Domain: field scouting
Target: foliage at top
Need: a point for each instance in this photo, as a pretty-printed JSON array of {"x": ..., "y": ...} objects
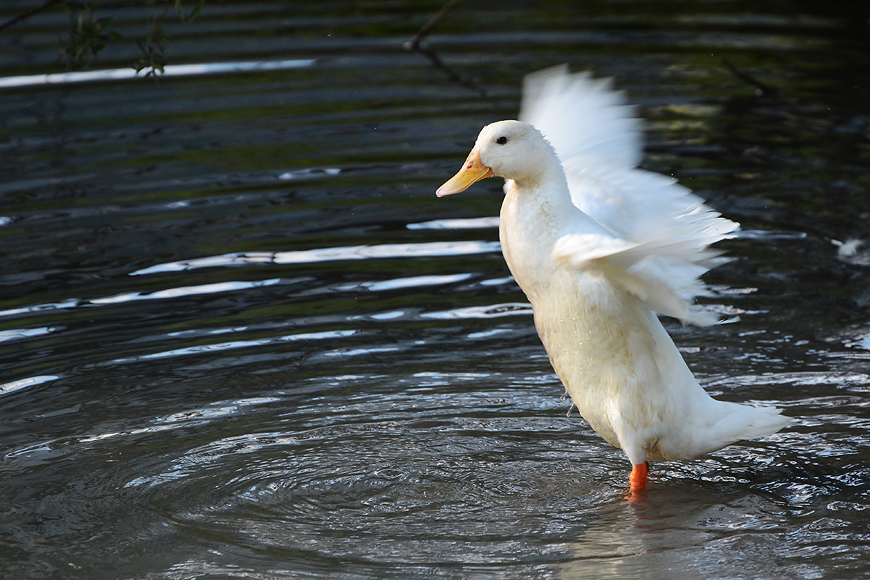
[{"x": 90, "y": 32}]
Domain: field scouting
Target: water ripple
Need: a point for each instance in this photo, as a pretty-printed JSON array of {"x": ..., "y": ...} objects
[
  {"x": 20, "y": 333},
  {"x": 184, "y": 291},
  {"x": 170, "y": 70},
  {"x": 169, "y": 293},
  {"x": 457, "y": 224},
  {"x": 234, "y": 344},
  {"x": 418, "y": 250},
  {"x": 413, "y": 282},
  {"x": 493, "y": 311},
  {"x": 7, "y": 388}
]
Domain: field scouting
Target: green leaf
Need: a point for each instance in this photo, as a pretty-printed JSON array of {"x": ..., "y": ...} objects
[{"x": 196, "y": 9}]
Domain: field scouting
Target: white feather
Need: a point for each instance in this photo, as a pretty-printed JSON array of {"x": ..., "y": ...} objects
[
  {"x": 592, "y": 120},
  {"x": 599, "y": 145}
]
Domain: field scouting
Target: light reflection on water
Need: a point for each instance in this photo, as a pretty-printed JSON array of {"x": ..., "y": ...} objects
[
  {"x": 236, "y": 344},
  {"x": 426, "y": 249},
  {"x": 184, "y": 291},
  {"x": 8, "y": 388},
  {"x": 241, "y": 337},
  {"x": 171, "y": 70}
]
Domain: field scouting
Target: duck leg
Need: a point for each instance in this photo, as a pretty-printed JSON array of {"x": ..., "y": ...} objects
[{"x": 638, "y": 478}]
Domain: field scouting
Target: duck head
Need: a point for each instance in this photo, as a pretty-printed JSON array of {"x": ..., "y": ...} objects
[{"x": 509, "y": 149}]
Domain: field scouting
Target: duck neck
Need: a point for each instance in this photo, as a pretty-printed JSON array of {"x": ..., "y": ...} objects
[
  {"x": 546, "y": 193},
  {"x": 536, "y": 212}
]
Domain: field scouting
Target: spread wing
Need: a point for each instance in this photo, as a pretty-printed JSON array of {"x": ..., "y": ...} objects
[
  {"x": 582, "y": 117},
  {"x": 660, "y": 231}
]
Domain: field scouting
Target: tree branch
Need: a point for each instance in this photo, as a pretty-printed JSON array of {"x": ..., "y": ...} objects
[
  {"x": 427, "y": 29},
  {"x": 48, "y": 4},
  {"x": 766, "y": 90}
]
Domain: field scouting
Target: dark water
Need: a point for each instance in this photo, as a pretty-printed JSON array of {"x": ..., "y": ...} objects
[{"x": 241, "y": 338}]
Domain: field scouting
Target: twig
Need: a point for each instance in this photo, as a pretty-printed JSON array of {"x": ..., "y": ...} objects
[
  {"x": 766, "y": 90},
  {"x": 451, "y": 74},
  {"x": 48, "y": 4},
  {"x": 415, "y": 44},
  {"x": 427, "y": 29}
]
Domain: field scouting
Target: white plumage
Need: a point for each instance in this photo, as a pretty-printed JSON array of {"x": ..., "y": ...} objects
[{"x": 599, "y": 247}]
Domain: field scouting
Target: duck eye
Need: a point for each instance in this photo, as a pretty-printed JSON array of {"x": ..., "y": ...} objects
[{"x": 501, "y": 140}]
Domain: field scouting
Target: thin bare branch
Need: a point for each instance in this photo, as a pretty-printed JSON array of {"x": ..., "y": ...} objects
[
  {"x": 451, "y": 74},
  {"x": 766, "y": 90},
  {"x": 45, "y": 6},
  {"x": 427, "y": 29}
]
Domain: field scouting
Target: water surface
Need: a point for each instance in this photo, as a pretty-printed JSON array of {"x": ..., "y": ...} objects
[{"x": 241, "y": 338}]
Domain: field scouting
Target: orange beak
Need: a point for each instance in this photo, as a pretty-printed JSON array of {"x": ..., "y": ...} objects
[{"x": 473, "y": 171}]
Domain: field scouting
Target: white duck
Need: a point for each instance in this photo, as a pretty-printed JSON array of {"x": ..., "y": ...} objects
[{"x": 599, "y": 247}]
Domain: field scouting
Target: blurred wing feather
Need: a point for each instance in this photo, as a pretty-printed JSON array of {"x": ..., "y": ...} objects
[
  {"x": 661, "y": 232},
  {"x": 582, "y": 116},
  {"x": 654, "y": 273}
]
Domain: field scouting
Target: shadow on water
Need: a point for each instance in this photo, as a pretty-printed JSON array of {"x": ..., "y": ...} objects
[{"x": 240, "y": 337}]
